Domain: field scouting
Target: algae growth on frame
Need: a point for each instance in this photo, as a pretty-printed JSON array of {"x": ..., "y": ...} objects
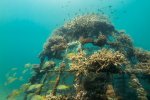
[{"x": 88, "y": 59}]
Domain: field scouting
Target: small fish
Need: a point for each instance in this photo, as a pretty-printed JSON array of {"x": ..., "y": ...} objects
[
  {"x": 20, "y": 78},
  {"x": 10, "y": 80},
  {"x": 68, "y": 1},
  {"x": 32, "y": 73},
  {"x": 28, "y": 65},
  {"x": 14, "y": 69},
  {"x": 110, "y": 6},
  {"x": 52, "y": 81},
  {"x": 76, "y": 13},
  {"x": 34, "y": 87},
  {"x": 63, "y": 87},
  {"x": 38, "y": 97},
  {"x": 98, "y": 9},
  {"x": 24, "y": 87},
  {"x": 49, "y": 91},
  {"x": 14, "y": 74},
  {"x": 24, "y": 71},
  {"x": 13, "y": 95}
]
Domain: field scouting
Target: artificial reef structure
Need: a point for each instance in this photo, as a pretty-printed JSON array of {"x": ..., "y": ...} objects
[{"x": 88, "y": 59}]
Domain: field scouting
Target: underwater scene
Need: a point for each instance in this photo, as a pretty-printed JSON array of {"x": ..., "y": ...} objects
[{"x": 74, "y": 50}]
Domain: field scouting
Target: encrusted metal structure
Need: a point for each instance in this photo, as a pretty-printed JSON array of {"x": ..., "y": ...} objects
[{"x": 88, "y": 59}]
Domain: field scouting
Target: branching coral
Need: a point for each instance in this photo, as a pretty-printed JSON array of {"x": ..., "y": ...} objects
[
  {"x": 85, "y": 20},
  {"x": 142, "y": 55},
  {"x": 79, "y": 63},
  {"x": 90, "y": 53},
  {"x": 103, "y": 60},
  {"x": 140, "y": 68},
  {"x": 121, "y": 42},
  {"x": 124, "y": 39},
  {"x": 87, "y": 26},
  {"x": 107, "y": 60},
  {"x": 53, "y": 47},
  {"x": 55, "y": 43}
]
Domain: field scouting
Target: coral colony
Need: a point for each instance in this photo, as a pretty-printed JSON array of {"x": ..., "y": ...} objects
[{"x": 88, "y": 59}]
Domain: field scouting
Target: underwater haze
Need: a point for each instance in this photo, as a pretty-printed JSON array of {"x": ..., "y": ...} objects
[{"x": 25, "y": 26}]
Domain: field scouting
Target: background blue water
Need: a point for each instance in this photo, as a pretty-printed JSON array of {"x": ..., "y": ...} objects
[{"x": 26, "y": 24}]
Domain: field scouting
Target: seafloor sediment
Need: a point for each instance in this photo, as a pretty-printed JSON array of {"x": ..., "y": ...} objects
[{"x": 88, "y": 59}]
